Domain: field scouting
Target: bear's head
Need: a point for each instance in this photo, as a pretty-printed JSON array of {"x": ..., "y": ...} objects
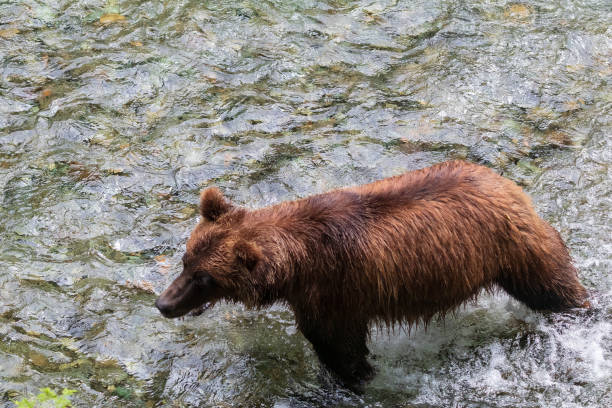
[{"x": 219, "y": 260}]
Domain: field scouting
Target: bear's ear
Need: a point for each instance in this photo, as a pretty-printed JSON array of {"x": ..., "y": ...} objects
[
  {"x": 213, "y": 205},
  {"x": 248, "y": 253}
]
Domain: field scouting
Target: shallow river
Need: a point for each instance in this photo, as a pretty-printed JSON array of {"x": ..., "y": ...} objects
[{"x": 114, "y": 115}]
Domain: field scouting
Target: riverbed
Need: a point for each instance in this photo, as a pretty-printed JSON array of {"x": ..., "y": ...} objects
[{"x": 115, "y": 114}]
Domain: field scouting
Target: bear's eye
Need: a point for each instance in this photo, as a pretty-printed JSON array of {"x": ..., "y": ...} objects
[{"x": 203, "y": 280}]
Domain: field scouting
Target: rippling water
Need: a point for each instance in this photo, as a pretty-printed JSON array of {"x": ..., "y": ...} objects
[{"x": 113, "y": 115}]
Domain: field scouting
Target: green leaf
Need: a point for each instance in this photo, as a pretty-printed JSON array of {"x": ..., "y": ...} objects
[
  {"x": 62, "y": 402},
  {"x": 24, "y": 403},
  {"x": 46, "y": 394},
  {"x": 122, "y": 392}
]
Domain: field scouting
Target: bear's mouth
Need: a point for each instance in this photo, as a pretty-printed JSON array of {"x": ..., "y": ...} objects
[
  {"x": 197, "y": 311},
  {"x": 180, "y": 313}
]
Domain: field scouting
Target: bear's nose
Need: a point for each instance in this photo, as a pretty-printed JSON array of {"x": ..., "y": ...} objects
[{"x": 163, "y": 306}]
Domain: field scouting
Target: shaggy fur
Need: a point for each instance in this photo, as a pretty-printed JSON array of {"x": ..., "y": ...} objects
[{"x": 402, "y": 249}]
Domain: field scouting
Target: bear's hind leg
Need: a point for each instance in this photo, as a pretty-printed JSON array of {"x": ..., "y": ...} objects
[
  {"x": 547, "y": 280},
  {"x": 563, "y": 291}
]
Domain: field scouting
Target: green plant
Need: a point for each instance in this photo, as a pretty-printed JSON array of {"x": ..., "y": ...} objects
[{"x": 47, "y": 399}]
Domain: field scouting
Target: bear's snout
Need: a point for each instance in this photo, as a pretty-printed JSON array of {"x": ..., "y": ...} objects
[
  {"x": 164, "y": 307},
  {"x": 171, "y": 302},
  {"x": 184, "y": 295}
]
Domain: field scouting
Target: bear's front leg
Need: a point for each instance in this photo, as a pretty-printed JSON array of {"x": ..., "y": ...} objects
[{"x": 343, "y": 350}]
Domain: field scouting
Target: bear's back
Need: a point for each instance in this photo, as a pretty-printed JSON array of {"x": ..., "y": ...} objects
[{"x": 426, "y": 240}]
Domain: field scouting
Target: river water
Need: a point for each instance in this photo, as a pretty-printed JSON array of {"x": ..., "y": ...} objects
[{"x": 115, "y": 114}]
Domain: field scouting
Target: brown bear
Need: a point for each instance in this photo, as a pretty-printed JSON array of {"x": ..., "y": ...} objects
[{"x": 399, "y": 250}]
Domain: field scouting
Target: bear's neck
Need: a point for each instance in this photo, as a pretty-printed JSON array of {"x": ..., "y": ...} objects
[{"x": 301, "y": 239}]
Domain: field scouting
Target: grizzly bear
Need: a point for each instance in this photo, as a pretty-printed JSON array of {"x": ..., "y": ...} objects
[{"x": 399, "y": 250}]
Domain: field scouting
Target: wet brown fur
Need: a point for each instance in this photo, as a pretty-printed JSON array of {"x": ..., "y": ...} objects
[{"x": 402, "y": 249}]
